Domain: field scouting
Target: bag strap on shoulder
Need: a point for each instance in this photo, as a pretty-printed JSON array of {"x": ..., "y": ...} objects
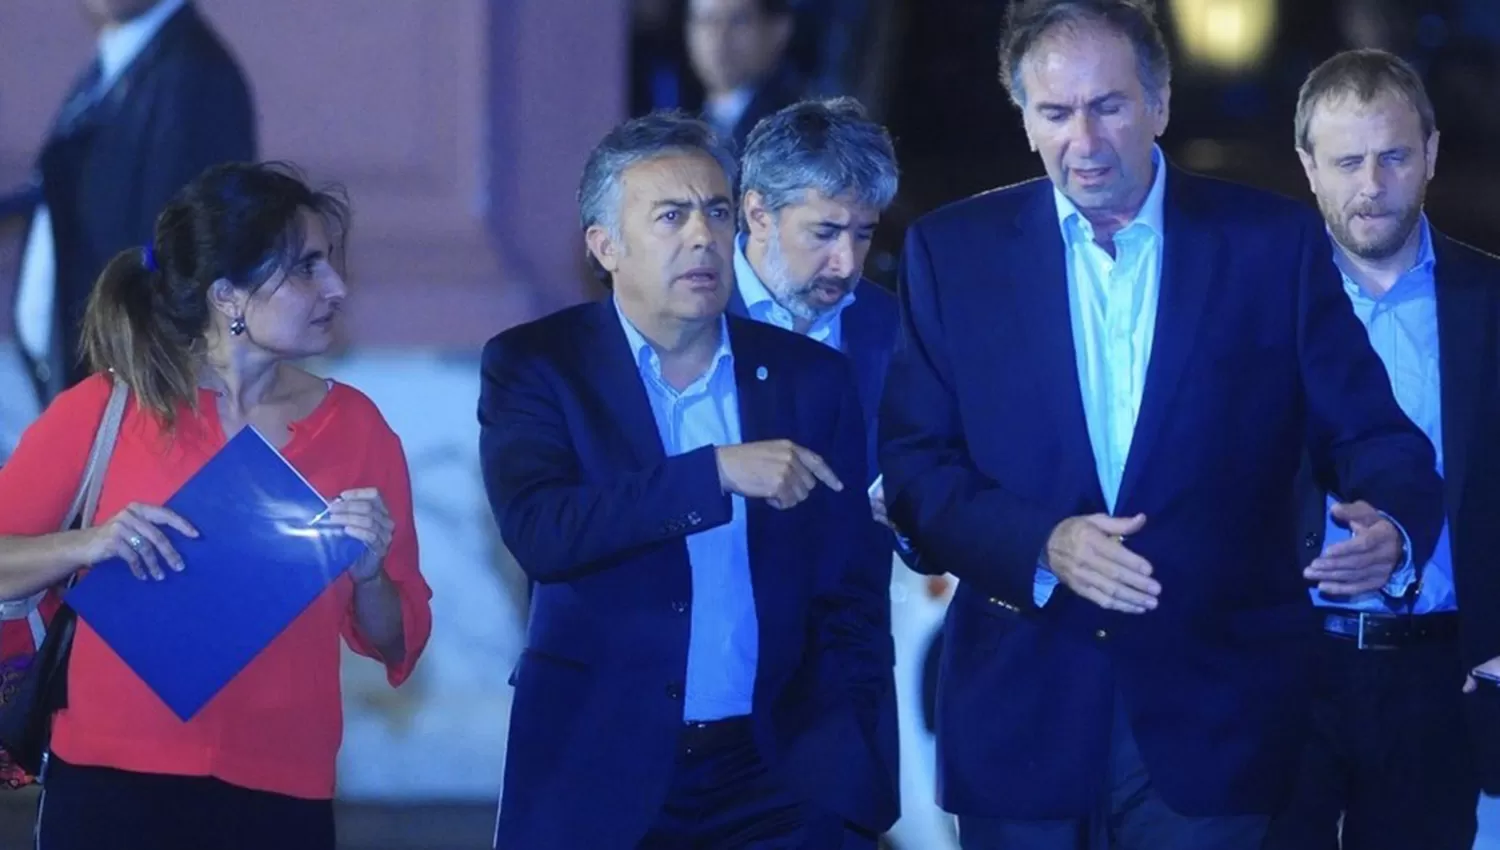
[{"x": 86, "y": 500}]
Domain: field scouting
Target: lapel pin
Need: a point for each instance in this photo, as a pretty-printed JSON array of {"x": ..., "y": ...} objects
[{"x": 761, "y": 373}]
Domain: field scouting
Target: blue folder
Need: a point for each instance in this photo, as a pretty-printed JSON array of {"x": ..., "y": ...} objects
[{"x": 265, "y": 551}]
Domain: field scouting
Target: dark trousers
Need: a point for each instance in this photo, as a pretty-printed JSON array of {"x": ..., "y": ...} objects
[
  {"x": 1390, "y": 752},
  {"x": 724, "y": 795},
  {"x": 1136, "y": 818},
  {"x": 97, "y": 808}
]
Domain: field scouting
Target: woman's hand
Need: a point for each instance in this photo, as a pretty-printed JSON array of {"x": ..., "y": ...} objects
[
  {"x": 363, "y": 516},
  {"x": 133, "y": 536}
]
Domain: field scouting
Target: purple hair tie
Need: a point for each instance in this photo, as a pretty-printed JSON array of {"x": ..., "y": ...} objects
[{"x": 148, "y": 258}]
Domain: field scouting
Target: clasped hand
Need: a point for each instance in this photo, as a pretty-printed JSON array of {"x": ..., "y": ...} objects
[
  {"x": 1365, "y": 561},
  {"x": 1088, "y": 554}
]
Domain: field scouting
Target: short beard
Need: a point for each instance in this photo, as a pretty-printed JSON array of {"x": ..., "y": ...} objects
[
  {"x": 1380, "y": 250},
  {"x": 790, "y": 296}
]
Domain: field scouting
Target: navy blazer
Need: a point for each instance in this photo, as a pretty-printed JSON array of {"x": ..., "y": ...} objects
[
  {"x": 985, "y": 450},
  {"x": 1468, "y": 317},
  {"x": 596, "y": 514}
]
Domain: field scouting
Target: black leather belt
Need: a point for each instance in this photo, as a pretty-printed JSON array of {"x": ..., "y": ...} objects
[
  {"x": 1390, "y": 631},
  {"x": 708, "y": 736}
]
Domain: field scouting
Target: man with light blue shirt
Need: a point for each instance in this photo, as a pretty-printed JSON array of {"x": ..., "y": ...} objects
[
  {"x": 816, "y": 177},
  {"x": 708, "y": 648},
  {"x": 1395, "y": 759},
  {"x": 1094, "y": 418}
]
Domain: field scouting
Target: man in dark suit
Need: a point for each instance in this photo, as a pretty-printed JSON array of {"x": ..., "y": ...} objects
[
  {"x": 738, "y": 52},
  {"x": 708, "y": 645},
  {"x": 815, "y": 178},
  {"x": 1391, "y": 752},
  {"x": 162, "y": 101},
  {"x": 1123, "y": 661}
]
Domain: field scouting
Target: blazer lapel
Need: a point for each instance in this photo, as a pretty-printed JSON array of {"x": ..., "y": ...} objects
[
  {"x": 736, "y": 306},
  {"x": 1043, "y": 317},
  {"x": 616, "y": 376},
  {"x": 1463, "y": 315},
  {"x": 1190, "y": 253},
  {"x": 759, "y": 387}
]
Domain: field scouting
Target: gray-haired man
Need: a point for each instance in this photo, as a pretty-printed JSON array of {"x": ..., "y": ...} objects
[
  {"x": 708, "y": 648},
  {"x": 816, "y": 177}
]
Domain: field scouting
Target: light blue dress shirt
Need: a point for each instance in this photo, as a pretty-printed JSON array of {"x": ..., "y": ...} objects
[
  {"x": 1112, "y": 304},
  {"x": 827, "y": 328},
  {"x": 724, "y": 638},
  {"x": 1403, "y": 329}
]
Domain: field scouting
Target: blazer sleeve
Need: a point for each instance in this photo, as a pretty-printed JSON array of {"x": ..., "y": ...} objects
[
  {"x": 1357, "y": 429},
  {"x": 960, "y": 520},
  {"x": 558, "y": 523}
]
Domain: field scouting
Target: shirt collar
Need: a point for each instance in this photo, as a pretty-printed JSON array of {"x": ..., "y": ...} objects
[
  {"x": 646, "y": 359},
  {"x": 120, "y": 46},
  {"x": 757, "y": 296},
  {"x": 1150, "y": 214}
]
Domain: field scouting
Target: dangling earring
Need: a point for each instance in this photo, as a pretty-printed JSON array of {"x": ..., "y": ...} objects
[{"x": 237, "y": 326}]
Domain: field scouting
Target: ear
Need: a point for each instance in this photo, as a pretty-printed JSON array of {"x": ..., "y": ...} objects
[
  {"x": 759, "y": 220},
  {"x": 1161, "y": 111},
  {"x": 603, "y": 247},
  {"x": 226, "y": 300},
  {"x": 1309, "y": 168},
  {"x": 1431, "y": 150}
]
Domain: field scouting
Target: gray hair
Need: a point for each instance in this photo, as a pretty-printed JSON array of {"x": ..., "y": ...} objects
[
  {"x": 639, "y": 140},
  {"x": 830, "y": 146},
  {"x": 1364, "y": 74},
  {"x": 1028, "y": 21}
]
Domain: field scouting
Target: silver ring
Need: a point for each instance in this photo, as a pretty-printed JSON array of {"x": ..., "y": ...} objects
[{"x": 135, "y": 542}]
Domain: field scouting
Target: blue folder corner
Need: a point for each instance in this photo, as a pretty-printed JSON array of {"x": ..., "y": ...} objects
[{"x": 263, "y": 554}]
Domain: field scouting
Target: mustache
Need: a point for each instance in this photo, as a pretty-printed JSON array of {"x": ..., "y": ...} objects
[{"x": 842, "y": 284}]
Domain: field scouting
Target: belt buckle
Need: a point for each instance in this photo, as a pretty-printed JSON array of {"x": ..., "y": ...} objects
[{"x": 1360, "y": 634}]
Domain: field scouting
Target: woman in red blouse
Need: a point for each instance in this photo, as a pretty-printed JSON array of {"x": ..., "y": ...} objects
[{"x": 204, "y": 326}]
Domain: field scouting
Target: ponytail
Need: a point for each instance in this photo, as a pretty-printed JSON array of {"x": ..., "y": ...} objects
[{"x": 123, "y": 332}]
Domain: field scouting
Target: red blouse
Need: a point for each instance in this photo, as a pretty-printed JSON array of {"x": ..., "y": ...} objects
[{"x": 276, "y": 726}]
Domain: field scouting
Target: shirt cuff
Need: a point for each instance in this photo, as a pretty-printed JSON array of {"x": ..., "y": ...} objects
[
  {"x": 1405, "y": 574},
  {"x": 1043, "y": 585}
]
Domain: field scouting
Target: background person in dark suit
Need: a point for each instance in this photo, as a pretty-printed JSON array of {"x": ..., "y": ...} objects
[
  {"x": 815, "y": 178},
  {"x": 1124, "y": 658},
  {"x": 162, "y": 101},
  {"x": 709, "y": 638},
  {"x": 1391, "y": 752},
  {"x": 738, "y": 52}
]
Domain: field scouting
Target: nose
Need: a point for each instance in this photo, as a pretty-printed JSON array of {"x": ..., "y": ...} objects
[
  {"x": 841, "y": 258},
  {"x": 700, "y": 233},
  {"x": 1372, "y": 178},
  {"x": 1083, "y": 134},
  {"x": 334, "y": 287}
]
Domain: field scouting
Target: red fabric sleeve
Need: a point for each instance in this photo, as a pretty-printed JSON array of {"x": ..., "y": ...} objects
[{"x": 386, "y": 465}]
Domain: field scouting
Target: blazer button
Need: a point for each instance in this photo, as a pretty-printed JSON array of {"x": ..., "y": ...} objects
[
  {"x": 1102, "y": 634},
  {"x": 1311, "y": 540},
  {"x": 679, "y": 606},
  {"x": 674, "y": 691}
]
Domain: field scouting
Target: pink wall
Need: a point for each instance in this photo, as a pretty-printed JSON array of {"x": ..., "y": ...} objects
[{"x": 459, "y": 128}]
